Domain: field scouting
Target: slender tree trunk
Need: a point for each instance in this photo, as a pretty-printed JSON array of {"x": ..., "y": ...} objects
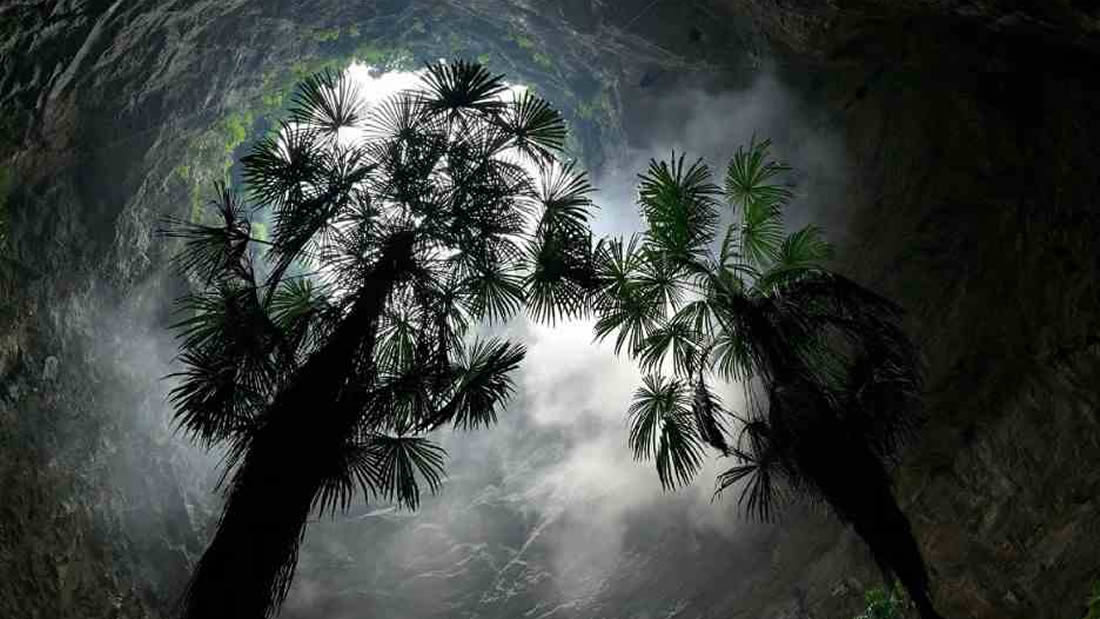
[{"x": 247, "y": 568}]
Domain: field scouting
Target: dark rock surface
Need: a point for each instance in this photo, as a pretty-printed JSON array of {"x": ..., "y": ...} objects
[{"x": 971, "y": 133}]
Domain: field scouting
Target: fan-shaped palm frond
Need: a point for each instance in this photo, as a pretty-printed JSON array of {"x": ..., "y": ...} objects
[
  {"x": 537, "y": 128},
  {"x": 560, "y": 274},
  {"x": 398, "y": 463},
  {"x": 496, "y": 290},
  {"x": 328, "y": 101},
  {"x": 482, "y": 385},
  {"x": 283, "y": 166},
  {"x": 679, "y": 205},
  {"x": 675, "y": 337},
  {"x": 215, "y": 251},
  {"x": 749, "y": 174},
  {"x": 830, "y": 378},
  {"x": 383, "y": 254},
  {"x": 458, "y": 86},
  {"x": 661, "y": 428},
  {"x": 707, "y": 411}
]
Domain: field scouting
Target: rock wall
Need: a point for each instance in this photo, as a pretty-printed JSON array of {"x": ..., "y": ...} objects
[{"x": 973, "y": 201}]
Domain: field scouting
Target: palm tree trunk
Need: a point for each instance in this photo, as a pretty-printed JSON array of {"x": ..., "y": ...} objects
[
  {"x": 246, "y": 570},
  {"x": 858, "y": 487}
]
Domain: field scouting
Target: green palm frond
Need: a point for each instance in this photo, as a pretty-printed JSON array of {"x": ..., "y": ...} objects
[
  {"x": 231, "y": 353},
  {"x": 632, "y": 316},
  {"x": 560, "y": 273},
  {"x": 661, "y": 428},
  {"x": 749, "y": 176},
  {"x": 616, "y": 265},
  {"x": 699, "y": 316},
  {"x": 496, "y": 290},
  {"x": 761, "y": 234},
  {"x": 800, "y": 253},
  {"x": 215, "y": 251},
  {"x": 806, "y": 247},
  {"x": 283, "y": 166},
  {"x": 759, "y": 496},
  {"x": 353, "y": 467},
  {"x": 663, "y": 279},
  {"x": 679, "y": 205},
  {"x": 675, "y": 337},
  {"x": 537, "y": 128},
  {"x": 405, "y": 117},
  {"x": 397, "y": 464},
  {"x": 749, "y": 186},
  {"x": 564, "y": 195},
  {"x": 328, "y": 101},
  {"x": 460, "y": 86},
  {"x": 210, "y": 404},
  {"x": 761, "y": 469},
  {"x": 482, "y": 384},
  {"x": 299, "y": 308},
  {"x": 706, "y": 408}
]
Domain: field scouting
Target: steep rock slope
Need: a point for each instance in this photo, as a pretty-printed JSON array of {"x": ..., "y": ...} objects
[{"x": 970, "y": 128}]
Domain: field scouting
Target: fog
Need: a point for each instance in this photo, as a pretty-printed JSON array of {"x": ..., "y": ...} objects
[
  {"x": 547, "y": 514},
  {"x": 544, "y": 515}
]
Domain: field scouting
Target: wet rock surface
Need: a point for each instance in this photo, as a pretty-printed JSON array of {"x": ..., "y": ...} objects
[{"x": 972, "y": 200}]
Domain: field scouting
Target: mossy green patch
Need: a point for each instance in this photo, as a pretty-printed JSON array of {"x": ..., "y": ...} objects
[
  {"x": 326, "y": 35},
  {"x": 1094, "y": 602}
]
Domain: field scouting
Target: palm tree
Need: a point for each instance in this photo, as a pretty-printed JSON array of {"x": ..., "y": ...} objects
[
  {"x": 830, "y": 382},
  {"x": 323, "y": 357}
]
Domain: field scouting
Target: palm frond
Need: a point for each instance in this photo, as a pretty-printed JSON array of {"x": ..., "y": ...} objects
[
  {"x": 661, "y": 429},
  {"x": 632, "y": 316},
  {"x": 459, "y": 86},
  {"x": 706, "y": 408},
  {"x": 283, "y": 166},
  {"x": 496, "y": 290},
  {"x": 748, "y": 178},
  {"x": 679, "y": 205},
  {"x": 675, "y": 337},
  {"x": 397, "y": 465},
  {"x": 328, "y": 101},
  {"x": 482, "y": 384},
  {"x": 538, "y": 130},
  {"x": 215, "y": 252},
  {"x": 560, "y": 273}
]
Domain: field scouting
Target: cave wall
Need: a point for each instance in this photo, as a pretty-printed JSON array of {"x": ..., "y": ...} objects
[{"x": 971, "y": 132}]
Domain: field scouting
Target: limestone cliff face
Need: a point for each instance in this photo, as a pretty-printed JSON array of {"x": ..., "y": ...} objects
[{"x": 973, "y": 201}]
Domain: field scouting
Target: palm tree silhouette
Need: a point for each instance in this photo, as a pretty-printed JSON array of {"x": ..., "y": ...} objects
[
  {"x": 830, "y": 381},
  {"x": 322, "y": 358}
]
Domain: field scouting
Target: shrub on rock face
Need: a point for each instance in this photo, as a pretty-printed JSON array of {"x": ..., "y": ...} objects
[
  {"x": 323, "y": 355},
  {"x": 883, "y": 603},
  {"x": 1094, "y": 602}
]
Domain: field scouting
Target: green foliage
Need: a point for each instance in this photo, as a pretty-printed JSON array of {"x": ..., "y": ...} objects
[
  {"x": 326, "y": 35},
  {"x": 1094, "y": 602},
  {"x": 408, "y": 239},
  {"x": 599, "y": 106},
  {"x": 883, "y": 603},
  {"x": 716, "y": 290}
]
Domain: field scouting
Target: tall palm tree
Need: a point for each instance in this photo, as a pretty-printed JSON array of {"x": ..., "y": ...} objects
[
  {"x": 716, "y": 292},
  {"x": 323, "y": 357}
]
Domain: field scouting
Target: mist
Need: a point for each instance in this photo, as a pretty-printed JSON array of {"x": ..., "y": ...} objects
[{"x": 546, "y": 514}]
